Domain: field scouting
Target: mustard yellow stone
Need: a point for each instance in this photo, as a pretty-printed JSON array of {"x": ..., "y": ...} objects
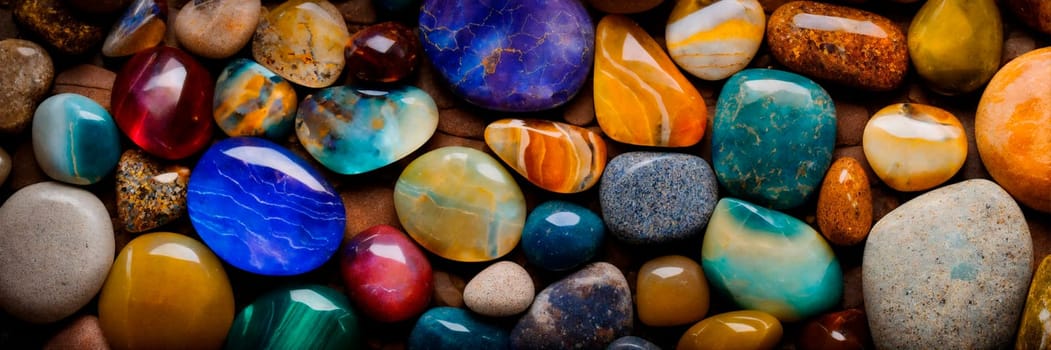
[
  {"x": 1035, "y": 329},
  {"x": 914, "y": 147},
  {"x": 738, "y": 330},
  {"x": 671, "y": 291},
  {"x": 715, "y": 39},
  {"x": 166, "y": 291},
  {"x": 955, "y": 45}
]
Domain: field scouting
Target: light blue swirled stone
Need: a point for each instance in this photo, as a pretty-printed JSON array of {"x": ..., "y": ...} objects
[
  {"x": 263, "y": 209},
  {"x": 74, "y": 139}
]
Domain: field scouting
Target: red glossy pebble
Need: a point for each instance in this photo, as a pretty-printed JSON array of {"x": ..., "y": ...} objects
[
  {"x": 382, "y": 53},
  {"x": 386, "y": 275},
  {"x": 162, "y": 100}
]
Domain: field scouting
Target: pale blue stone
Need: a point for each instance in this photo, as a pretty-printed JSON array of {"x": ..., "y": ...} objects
[{"x": 74, "y": 139}]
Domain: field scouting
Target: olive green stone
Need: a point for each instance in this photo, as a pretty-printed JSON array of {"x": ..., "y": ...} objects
[
  {"x": 301, "y": 317},
  {"x": 955, "y": 45}
]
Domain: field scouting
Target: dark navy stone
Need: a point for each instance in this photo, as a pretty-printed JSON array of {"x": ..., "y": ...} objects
[
  {"x": 451, "y": 328},
  {"x": 560, "y": 235},
  {"x": 263, "y": 209},
  {"x": 510, "y": 55},
  {"x": 772, "y": 137},
  {"x": 632, "y": 343},
  {"x": 586, "y": 310},
  {"x": 650, "y": 197}
]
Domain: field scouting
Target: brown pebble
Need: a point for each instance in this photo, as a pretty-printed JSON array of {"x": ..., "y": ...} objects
[
  {"x": 858, "y": 153},
  {"x": 850, "y": 123},
  {"x": 1035, "y": 13},
  {"x": 462, "y": 123},
  {"x": 217, "y": 29},
  {"x": 8, "y": 29},
  {"x": 358, "y": 12},
  {"x": 92, "y": 81},
  {"x": 82, "y": 334},
  {"x": 5, "y": 165},
  {"x": 448, "y": 289},
  {"x": 58, "y": 25},
  {"x": 26, "y": 73},
  {"x": 844, "y": 204},
  {"x": 25, "y": 170},
  {"x": 581, "y": 110},
  {"x": 368, "y": 206}
]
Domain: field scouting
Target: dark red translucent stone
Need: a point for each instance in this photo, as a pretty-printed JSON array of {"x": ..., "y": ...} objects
[
  {"x": 386, "y": 274},
  {"x": 843, "y": 330},
  {"x": 382, "y": 53}
]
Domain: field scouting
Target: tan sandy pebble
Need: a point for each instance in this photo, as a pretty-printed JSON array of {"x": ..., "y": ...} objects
[
  {"x": 502, "y": 289},
  {"x": 94, "y": 82},
  {"x": 217, "y": 28},
  {"x": 84, "y": 334},
  {"x": 448, "y": 289}
]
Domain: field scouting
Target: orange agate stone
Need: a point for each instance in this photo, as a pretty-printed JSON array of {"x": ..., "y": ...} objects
[{"x": 557, "y": 157}]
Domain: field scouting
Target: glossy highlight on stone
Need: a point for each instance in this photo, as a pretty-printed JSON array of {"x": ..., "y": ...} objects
[
  {"x": 560, "y": 235},
  {"x": 509, "y": 55},
  {"x": 671, "y": 291},
  {"x": 555, "y": 156},
  {"x": 955, "y": 45},
  {"x": 74, "y": 139},
  {"x": 715, "y": 39},
  {"x": 263, "y": 209},
  {"x": 768, "y": 261},
  {"x": 914, "y": 147},
  {"x": 353, "y": 130},
  {"x": 737, "y": 330},
  {"x": 302, "y": 41},
  {"x": 296, "y": 317},
  {"x": 141, "y": 27},
  {"x": 460, "y": 204},
  {"x": 166, "y": 290},
  {"x": 842, "y": 330},
  {"x": 250, "y": 100},
  {"x": 383, "y": 53},
  {"x": 387, "y": 277},
  {"x": 162, "y": 100},
  {"x": 844, "y": 204},
  {"x": 641, "y": 98},
  {"x": 1034, "y": 331},
  {"x": 150, "y": 193},
  {"x": 452, "y": 328}
]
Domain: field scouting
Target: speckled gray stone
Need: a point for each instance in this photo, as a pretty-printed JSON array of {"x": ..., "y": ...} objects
[
  {"x": 5, "y": 165},
  {"x": 26, "y": 73},
  {"x": 56, "y": 248},
  {"x": 948, "y": 270},
  {"x": 217, "y": 28},
  {"x": 502, "y": 289},
  {"x": 650, "y": 197},
  {"x": 632, "y": 343}
]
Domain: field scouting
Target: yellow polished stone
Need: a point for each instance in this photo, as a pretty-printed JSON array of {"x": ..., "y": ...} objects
[
  {"x": 671, "y": 291},
  {"x": 715, "y": 39},
  {"x": 914, "y": 147},
  {"x": 955, "y": 45},
  {"x": 303, "y": 41},
  {"x": 166, "y": 291},
  {"x": 1035, "y": 329},
  {"x": 738, "y": 330}
]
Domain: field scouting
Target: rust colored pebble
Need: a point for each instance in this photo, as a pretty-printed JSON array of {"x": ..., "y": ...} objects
[{"x": 844, "y": 205}]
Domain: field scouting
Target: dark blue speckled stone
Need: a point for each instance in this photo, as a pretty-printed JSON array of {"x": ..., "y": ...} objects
[
  {"x": 632, "y": 343},
  {"x": 586, "y": 310},
  {"x": 443, "y": 328},
  {"x": 772, "y": 137},
  {"x": 510, "y": 55},
  {"x": 559, "y": 235},
  {"x": 650, "y": 197}
]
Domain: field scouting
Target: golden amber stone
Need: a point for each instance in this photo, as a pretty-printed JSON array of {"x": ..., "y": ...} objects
[
  {"x": 557, "y": 157},
  {"x": 671, "y": 291},
  {"x": 166, "y": 291},
  {"x": 738, "y": 330},
  {"x": 715, "y": 39},
  {"x": 1035, "y": 329},
  {"x": 641, "y": 98},
  {"x": 955, "y": 45},
  {"x": 302, "y": 41},
  {"x": 914, "y": 147},
  {"x": 844, "y": 205}
]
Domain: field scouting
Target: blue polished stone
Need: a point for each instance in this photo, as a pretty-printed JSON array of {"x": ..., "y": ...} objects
[
  {"x": 559, "y": 235},
  {"x": 263, "y": 209},
  {"x": 451, "y": 328},
  {"x": 773, "y": 136},
  {"x": 74, "y": 139},
  {"x": 510, "y": 55}
]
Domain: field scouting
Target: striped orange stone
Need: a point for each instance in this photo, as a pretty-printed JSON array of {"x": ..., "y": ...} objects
[{"x": 555, "y": 156}]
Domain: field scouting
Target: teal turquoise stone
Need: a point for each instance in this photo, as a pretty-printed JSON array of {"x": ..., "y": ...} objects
[
  {"x": 768, "y": 261},
  {"x": 74, "y": 139},
  {"x": 354, "y": 130},
  {"x": 302, "y": 317},
  {"x": 451, "y": 328},
  {"x": 251, "y": 100},
  {"x": 560, "y": 235},
  {"x": 772, "y": 137}
]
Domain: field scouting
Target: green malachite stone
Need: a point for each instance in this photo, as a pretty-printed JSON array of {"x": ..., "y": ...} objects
[{"x": 302, "y": 317}]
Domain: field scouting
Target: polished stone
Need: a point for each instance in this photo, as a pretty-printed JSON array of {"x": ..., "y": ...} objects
[
  {"x": 217, "y": 28},
  {"x": 166, "y": 290},
  {"x": 460, "y": 204},
  {"x": 387, "y": 277},
  {"x": 352, "y": 130},
  {"x": 737, "y": 330},
  {"x": 74, "y": 139},
  {"x": 451, "y": 328},
  {"x": 671, "y": 290},
  {"x": 1034, "y": 331},
  {"x": 632, "y": 343},
  {"x": 914, "y": 147},
  {"x": 842, "y": 330},
  {"x": 772, "y": 137},
  {"x": 1035, "y": 13},
  {"x": 263, "y": 209},
  {"x": 141, "y": 27},
  {"x": 555, "y": 156},
  {"x": 383, "y": 53},
  {"x": 516, "y": 56},
  {"x": 955, "y": 45},
  {"x": 302, "y": 41},
  {"x": 58, "y": 25},
  {"x": 560, "y": 236},
  {"x": 297, "y": 317},
  {"x": 844, "y": 204},
  {"x": 502, "y": 289},
  {"x": 150, "y": 193},
  {"x": 26, "y": 72},
  {"x": 641, "y": 98},
  {"x": 250, "y": 100},
  {"x": 715, "y": 39}
]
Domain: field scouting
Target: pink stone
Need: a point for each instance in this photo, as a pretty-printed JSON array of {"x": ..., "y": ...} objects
[{"x": 386, "y": 275}]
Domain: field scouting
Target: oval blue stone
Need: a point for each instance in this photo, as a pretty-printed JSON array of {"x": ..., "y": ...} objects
[
  {"x": 452, "y": 328},
  {"x": 263, "y": 209},
  {"x": 559, "y": 235},
  {"x": 510, "y": 55},
  {"x": 74, "y": 139}
]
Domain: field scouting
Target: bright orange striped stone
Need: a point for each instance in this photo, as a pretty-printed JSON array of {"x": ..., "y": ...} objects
[
  {"x": 557, "y": 157},
  {"x": 641, "y": 98}
]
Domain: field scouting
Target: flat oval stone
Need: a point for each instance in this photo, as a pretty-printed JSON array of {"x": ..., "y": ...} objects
[
  {"x": 26, "y": 73},
  {"x": 251, "y": 181},
  {"x": 166, "y": 290},
  {"x": 839, "y": 44},
  {"x": 586, "y": 310},
  {"x": 714, "y": 40},
  {"x": 555, "y": 156},
  {"x": 641, "y": 98},
  {"x": 297, "y": 317},
  {"x": 560, "y": 235},
  {"x": 58, "y": 247},
  {"x": 460, "y": 204},
  {"x": 150, "y": 193},
  {"x": 773, "y": 136},
  {"x": 768, "y": 261},
  {"x": 217, "y": 28},
  {"x": 162, "y": 100},
  {"x": 1033, "y": 331},
  {"x": 737, "y": 330},
  {"x": 58, "y": 25},
  {"x": 914, "y": 147},
  {"x": 502, "y": 289},
  {"x": 141, "y": 27},
  {"x": 352, "y": 130},
  {"x": 671, "y": 291},
  {"x": 74, "y": 139},
  {"x": 1035, "y": 13},
  {"x": 624, "y": 6},
  {"x": 513, "y": 56},
  {"x": 844, "y": 205},
  {"x": 1011, "y": 128},
  {"x": 635, "y": 199},
  {"x": 302, "y": 41},
  {"x": 383, "y": 53},
  {"x": 250, "y": 100},
  {"x": 387, "y": 277},
  {"x": 842, "y": 330},
  {"x": 949, "y": 65},
  {"x": 632, "y": 343},
  {"x": 452, "y": 328},
  {"x": 958, "y": 257}
]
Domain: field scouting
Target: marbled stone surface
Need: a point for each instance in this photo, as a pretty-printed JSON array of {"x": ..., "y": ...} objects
[
  {"x": 297, "y": 317},
  {"x": 141, "y": 27},
  {"x": 555, "y": 156},
  {"x": 737, "y": 330},
  {"x": 914, "y": 147},
  {"x": 502, "y": 289},
  {"x": 844, "y": 205},
  {"x": 251, "y": 100},
  {"x": 26, "y": 72},
  {"x": 671, "y": 290},
  {"x": 74, "y": 139},
  {"x": 560, "y": 235},
  {"x": 387, "y": 277},
  {"x": 715, "y": 39},
  {"x": 302, "y": 41},
  {"x": 451, "y": 328},
  {"x": 263, "y": 209},
  {"x": 955, "y": 45},
  {"x": 217, "y": 28},
  {"x": 150, "y": 192},
  {"x": 383, "y": 53}
]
